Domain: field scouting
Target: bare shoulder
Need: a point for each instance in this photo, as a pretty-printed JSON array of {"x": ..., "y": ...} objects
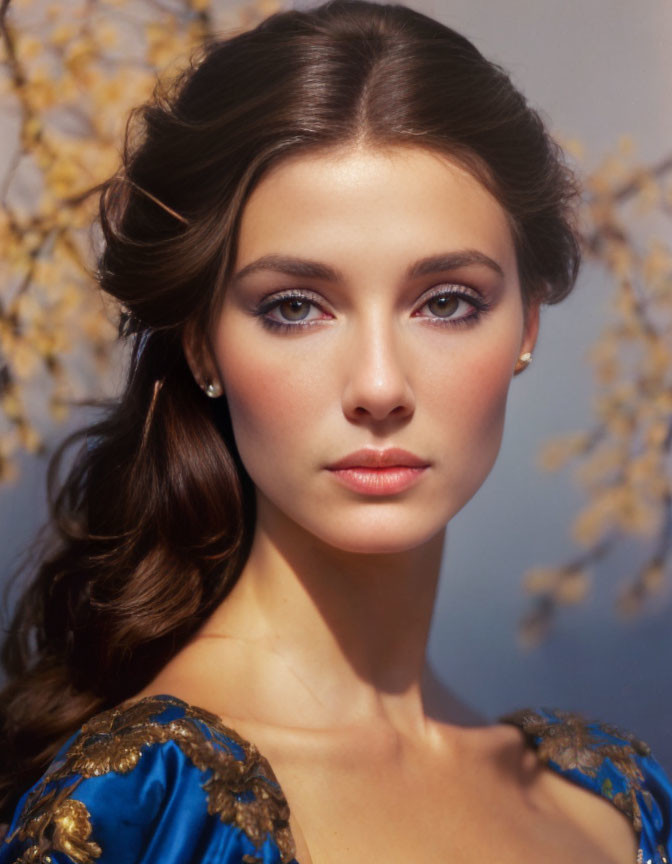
[
  {"x": 585, "y": 770},
  {"x": 595, "y": 816},
  {"x": 500, "y": 771}
]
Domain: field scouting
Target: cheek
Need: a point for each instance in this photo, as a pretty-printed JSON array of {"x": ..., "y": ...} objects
[
  {"x": 269, "y": 401},
  {"x": 487, "y": 416},
  {"x": 486, "y": 388},
  {"x": 470, "y": 407}
]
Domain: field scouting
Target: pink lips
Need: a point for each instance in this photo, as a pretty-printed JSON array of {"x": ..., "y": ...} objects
[{"x": 378, "y": 472}]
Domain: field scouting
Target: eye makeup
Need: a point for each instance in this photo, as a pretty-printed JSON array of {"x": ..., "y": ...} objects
[
  {"x": 299, "y": 299},
  {"x": 478, "y": 303},
  {"x": 276, "y": 301}
]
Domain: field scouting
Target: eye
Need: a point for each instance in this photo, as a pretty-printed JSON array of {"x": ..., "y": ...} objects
[
  {"x": 290, "y": 312},
  {"x": 444, "y": 304},
  {"x": 294, "y": 309}
]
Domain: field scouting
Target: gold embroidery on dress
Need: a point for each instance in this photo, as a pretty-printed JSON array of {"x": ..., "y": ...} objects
[
  {"x": 58, "y": 823},
  {"x": 573, "y": 744},
  {"x": 114, "y": 740}
]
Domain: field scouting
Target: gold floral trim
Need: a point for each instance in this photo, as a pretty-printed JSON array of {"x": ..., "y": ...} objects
[
  {"x": 576, "y": 743},
  {"x": 114, "y": 740}
]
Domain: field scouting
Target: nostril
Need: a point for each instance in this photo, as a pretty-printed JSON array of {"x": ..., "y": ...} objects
[{"x": 382, "y": 412}]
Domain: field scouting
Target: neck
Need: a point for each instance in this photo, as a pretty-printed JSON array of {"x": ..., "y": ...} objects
[{"x": 330, "y": 637}]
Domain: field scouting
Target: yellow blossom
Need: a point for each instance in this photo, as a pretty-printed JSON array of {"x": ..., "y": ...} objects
[
  {"x": 657, "y": 361},
  {"x": 58, "y": 409},
  {"x": 62, "y": 33},
  {"x": 62, "y": 177},
  {"x": 29, "y": 438},
  {"x": 28, "y": 308},
  {"x": 541, "y": 580},
  {"x": 662, "y": 403},
  {"x": 638, "y": 516},
  {"x": 575, "y": 147},
  {"x": 648, "y": 193},
  {"x": 11, "y": 404},
  {"x": 620, "y": 259},
  {"x": 589, "y": 525},
  {"x": 32, "y": 129},
  {"x": 626, "y": 146},
  {"x": 555, "y": 454},
  {"x": 611, "y": 171},
  {"x": 646, "y": 471},
  {"x": 572, "y": 587},
  {"x": 23, "y": 360},
  {"x": 604, "y": 356},
  {"x": 9, "y": 442},
  {"x": 107, "y": 35},
  {"x": 653, "y": 577},
  {"x": 27, "y": 47},
  {"x": 657, "y": 263},
  {"x": 9, "y": 472},
  {"x": 601, "y": 465}
]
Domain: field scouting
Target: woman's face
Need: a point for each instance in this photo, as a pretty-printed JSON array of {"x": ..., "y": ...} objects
[{"x": 375, "y": 304}]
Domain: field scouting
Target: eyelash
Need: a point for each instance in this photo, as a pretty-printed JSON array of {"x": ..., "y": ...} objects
[{"x": 479, "y": 305}]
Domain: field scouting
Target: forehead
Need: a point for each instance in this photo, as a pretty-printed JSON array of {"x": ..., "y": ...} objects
[{"x": 367, "y": 205}]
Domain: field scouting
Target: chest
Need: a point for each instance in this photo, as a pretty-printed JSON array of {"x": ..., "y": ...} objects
[{"x": 354, "y": 818}]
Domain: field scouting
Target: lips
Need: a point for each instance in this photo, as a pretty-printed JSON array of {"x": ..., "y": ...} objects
[
  {"x": 370, "y": 458},
  {"x": 378, "y": 473}
]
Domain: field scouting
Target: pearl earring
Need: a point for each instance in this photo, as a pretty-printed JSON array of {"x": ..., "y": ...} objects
[
  {"x": 213, "y": 389},
  {"x": 525, "y": 359}
]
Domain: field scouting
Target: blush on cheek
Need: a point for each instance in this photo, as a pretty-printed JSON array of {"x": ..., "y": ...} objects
[
  {"x": 489, "y": 410},
  {"x": 268, "y": 400},
  {"x": 253, "y": 398},
  {"x": 480, "y": 408}
]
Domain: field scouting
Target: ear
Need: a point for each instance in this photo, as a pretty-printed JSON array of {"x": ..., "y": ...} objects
[
  {"x": 198, "y": 354},
  {"x": 529, "y": 340},
  {"x": 531, "y": 329}
]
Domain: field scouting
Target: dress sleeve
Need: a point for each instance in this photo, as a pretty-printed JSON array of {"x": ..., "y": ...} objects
[
  {"x": 157, "y": 783},
  {"x": 611, "y": 762},
  {"x": 655, "y": 811}
]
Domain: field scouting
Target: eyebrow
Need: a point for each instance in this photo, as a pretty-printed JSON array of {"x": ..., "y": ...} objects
[{"x": 303, "y": 267}]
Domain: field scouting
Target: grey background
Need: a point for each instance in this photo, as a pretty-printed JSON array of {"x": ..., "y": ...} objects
[{"x": 597, "y": 69}]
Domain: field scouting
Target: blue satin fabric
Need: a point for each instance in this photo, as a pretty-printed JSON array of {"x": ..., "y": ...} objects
[
  {"x": 611, "y": 769},
  {"x": 157, "y": 812}
]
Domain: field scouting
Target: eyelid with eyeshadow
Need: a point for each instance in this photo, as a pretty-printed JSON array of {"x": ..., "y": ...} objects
[{"x": 271, "y": 301}]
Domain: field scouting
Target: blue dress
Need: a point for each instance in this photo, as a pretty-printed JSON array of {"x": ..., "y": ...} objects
[{"x": 158, "y": 781}]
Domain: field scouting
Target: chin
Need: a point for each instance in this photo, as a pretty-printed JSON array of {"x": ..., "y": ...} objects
[
  {"x": 371, "y": 528},
  {"x": 379, "y": 539}
]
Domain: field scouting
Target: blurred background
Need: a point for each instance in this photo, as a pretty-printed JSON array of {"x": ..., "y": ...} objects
[{"x": 556, "y": 583}]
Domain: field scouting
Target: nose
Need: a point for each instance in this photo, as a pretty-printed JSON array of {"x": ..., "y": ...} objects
[{"x": 377, "y": 384}]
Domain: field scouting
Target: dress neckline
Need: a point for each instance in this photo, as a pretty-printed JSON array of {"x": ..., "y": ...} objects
[{"x": 551, "y": 734}]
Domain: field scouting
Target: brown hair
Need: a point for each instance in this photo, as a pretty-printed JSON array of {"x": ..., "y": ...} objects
[{"x": 154, "y": 518}]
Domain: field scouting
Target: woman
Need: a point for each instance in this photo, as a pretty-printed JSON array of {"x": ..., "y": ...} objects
[{"x": 332, "y": 241}]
